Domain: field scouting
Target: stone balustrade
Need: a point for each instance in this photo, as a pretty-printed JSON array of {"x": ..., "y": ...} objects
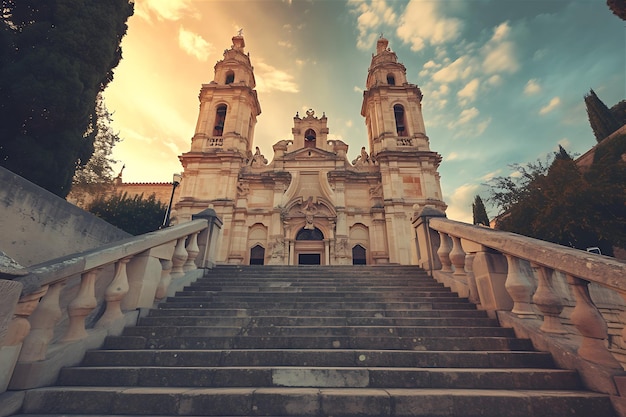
[
  {"x": 52, "y": 315},
  {"x": 567, "y": 301}
]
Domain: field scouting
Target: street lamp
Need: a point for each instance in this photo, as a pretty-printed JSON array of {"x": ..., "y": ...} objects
[{"x": 177, "y": 178}]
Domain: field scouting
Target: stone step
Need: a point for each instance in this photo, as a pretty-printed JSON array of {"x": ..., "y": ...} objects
[
  {"x": 326, "y": 377},
  {"x": 318, "y": 342},
  {"x": 312, "y": 402},
  {"x": 270, "y": 292},
  {"x": 330, "y": 300},
  {"x": 379, "y": 313},
  {"x": 332, "y": 357},
  {"x": 324, "y": 306},
  {"x": 314, "y": 331},
  {"x": 264, "y": 321}
]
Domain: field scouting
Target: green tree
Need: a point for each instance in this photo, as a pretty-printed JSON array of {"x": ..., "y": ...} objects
[
  {"x": 479, "y": 212},
  {"x": 134, "y": 215},
  {"x": 601, "y": 119},
  {"x": 560, "y": 204},
  {"x": 96, "y": 176},
  {"x": 55, "y": 57}
]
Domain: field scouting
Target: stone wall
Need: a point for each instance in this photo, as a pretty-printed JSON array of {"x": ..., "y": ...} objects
[{"x": 38, "y": 226}]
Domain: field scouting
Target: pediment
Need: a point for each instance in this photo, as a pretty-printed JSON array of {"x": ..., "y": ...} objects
[{"x": 308, "y": 154}]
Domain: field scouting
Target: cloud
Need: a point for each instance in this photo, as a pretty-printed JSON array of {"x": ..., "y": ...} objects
[
  {"x": 165, "y": 9},
  {"x": 457, "y": 70},
  {"x": 421, "y": 24},
  {"x": 467, "y": 115},
  {"x": 194, "y": 44},
  {"x": 451, "y": 156},
  {"x": 372, "y": 16},
  {"x": 468, "y": 93},
  {"x": 554, "y": 103},
  {"x": 532, "y": 87},
  {"x": 269, "y": 78},
  {"x": 357, "y": 89},
  {"x": 499, "y": 52},
  {"x": 285, "y": 44},
  {"x": 460, "y": 202},
  {"x": 565, "y": 143}
]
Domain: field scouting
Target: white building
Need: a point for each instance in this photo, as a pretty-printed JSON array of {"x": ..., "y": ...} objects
[{"x": 310, "y": 205}]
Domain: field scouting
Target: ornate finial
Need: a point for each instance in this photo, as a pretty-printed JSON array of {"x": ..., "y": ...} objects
[
  {"x": 240, "y": 32},
  {"x": 297, "y": 115},
  {"x": 381, "y": 35},
  {"x": 310, "y": 113}
]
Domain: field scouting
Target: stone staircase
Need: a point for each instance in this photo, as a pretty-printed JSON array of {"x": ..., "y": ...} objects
[{"x": 317, "y": 341}]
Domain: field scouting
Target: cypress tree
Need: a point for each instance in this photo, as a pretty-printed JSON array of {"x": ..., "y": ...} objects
[
  {"x": 602, "y": 121},
  {"x": 479, "y": 212}
]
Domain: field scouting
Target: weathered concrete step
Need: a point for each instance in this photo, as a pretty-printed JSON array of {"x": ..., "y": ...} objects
[
  {"x": 328, "y": 377},
  {"x": 319, "y": 357},
  {"x": 354, "y": 285},
  {"x": 303, "y": 305},
  {"x": 262, "y": 321},
  {"x": 318, "y": 342},
  {"x": 244, "y": 312},
  {"x": 309, "y": 331},
  {"x": 303, "y": 298},
  {"x": 296, "y": 292},
  {"x": 312, "y": 402}
]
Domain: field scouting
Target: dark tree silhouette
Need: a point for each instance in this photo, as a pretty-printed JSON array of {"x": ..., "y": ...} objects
[
  {"x": 479, "y": 212},
  {"x": 134, "y": 215},
  {"x": 602, "y": 121},
  {"x": 55, "y": 57}
]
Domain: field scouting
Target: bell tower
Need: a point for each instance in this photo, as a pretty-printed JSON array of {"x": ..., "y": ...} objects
[
  {"x": 223, "y": 139},
  {"x": 392, "y": 108}
]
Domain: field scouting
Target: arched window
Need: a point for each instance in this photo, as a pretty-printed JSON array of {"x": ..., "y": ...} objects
[
  {"x": 310, "y": 234},
  {"x": 358, "y": 255},
  {"x": 257, "y": 255},
  {"x": 398, "y": 112},
  {"x": 309, "y": 138},
  {"x": 230, "y": 77},
  {"x": 220, "y": 118},
  {"x": 391, "y": 80}
]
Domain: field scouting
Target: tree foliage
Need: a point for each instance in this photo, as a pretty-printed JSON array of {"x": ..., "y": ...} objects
[
  {"x": 98, "y": 168},
  {"x": 55, "y": 57},
  {"x": 479, "y": 212},
  {"x": 603, "y": 122},
  {"x": 560, "y": 204},
  {"x": 134, "y": 215}
]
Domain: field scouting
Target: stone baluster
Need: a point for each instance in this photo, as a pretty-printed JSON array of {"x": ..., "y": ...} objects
[
  {"x": 591, "y": 325},
  {"x": 548, "y": 302},
  {"x": 444, "y": 252},
  {"x": 519, "y": 288},
  {"x": 457, "y": 256},
  {"x": 166, "y": 278},
  {"x": 192, "y": 252},
  {"x": 81, "y": 306},
  {"x": 44, "y": 315},
  {"x": 179, "y": 258},
  {"x": 114, "y": 294},
  {"x": 474, "y": 296}
]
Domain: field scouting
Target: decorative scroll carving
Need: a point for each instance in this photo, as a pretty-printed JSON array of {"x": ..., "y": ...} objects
[{"x": 405, "y": 142}]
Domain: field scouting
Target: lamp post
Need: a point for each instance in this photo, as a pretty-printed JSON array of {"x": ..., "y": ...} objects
[{"x": 177, "y": 178}]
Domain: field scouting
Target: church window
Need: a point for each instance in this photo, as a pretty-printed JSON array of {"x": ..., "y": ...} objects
[
  {"x": 309, "y": 138},
  {"x": 310, "y": 234},
  {"x": 398, "y": 112},
  {"x": 257, "y": 255},
  {"x": 230, "y": 77},
  {"x": 391, "y": 80},
  {"x": 358, "y": 255},
  {"x": 220, "y": 118}
]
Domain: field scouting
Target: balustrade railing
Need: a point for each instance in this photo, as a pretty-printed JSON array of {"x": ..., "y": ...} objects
[
  {"x": 52, "y": 315},
  {"x": 569, "y": 296}
]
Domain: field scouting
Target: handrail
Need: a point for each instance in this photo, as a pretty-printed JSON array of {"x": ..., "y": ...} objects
[
  {"x": 61, "y": 308},
  {"x": 546, "y": 292}
]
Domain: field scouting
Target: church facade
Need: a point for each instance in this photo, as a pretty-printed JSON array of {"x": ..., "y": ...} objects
[{"x": 310, "y": 204}]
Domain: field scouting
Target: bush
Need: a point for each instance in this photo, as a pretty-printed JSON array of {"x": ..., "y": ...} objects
[{"x": 134, "y": 215}]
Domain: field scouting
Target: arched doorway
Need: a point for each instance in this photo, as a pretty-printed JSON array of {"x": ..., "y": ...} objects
[
  {"x": 359, "y": 255},
  {"x": 257, "y": 255},
  {"x": 309, "y": 246}
]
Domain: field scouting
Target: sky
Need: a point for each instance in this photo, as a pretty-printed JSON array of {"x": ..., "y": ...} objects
[{"x": 503, "y": 80}]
